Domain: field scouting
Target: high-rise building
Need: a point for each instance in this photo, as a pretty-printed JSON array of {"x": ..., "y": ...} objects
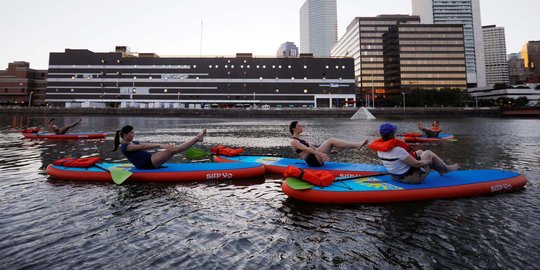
[
  {"x": 495, "y": 55},
  {"x": 287, "y": 50},
  {"x": 530, "y": 53},
  {"x": 22, "y": 86},
  {"x": 318, "y": 27},
  {"x": 424, "y": 57},
  {"x": 516, "y": 69},
  {"x": 466, "y": 12},
  {"x": 363, "y": 41}
]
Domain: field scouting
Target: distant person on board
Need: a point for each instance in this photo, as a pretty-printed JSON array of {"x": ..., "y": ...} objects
[
  {"x": 135, "y": 152},
  {"x": 403, "y": 163},
  {"x": 315, "y": 157},
  {"x": 432, "y": 132},
  {"x": 52, "y": 127}
]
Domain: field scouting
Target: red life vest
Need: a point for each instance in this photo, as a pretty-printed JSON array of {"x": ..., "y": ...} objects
[
  {"x": 385, "y": 146},
  {"x": 32, "y": 130},
  {"x": 318, "y": 178},
  {"x": 77, "y": 162},
  {"x": 226, "y": 151}
]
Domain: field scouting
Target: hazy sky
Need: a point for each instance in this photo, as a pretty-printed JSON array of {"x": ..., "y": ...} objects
[{"x": 30, "y": 29}]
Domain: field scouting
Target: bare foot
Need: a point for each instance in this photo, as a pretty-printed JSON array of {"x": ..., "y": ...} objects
[
  {"x": 201, "y": 135},
  {"x": 452, "y": 167},
  {"x": 365, "y": 142},
  {"x": 449, "y": 168}
]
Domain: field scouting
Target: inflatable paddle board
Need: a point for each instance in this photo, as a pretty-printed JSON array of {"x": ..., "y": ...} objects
[
  {"x": 68, "y": 136},
  {"x": 424, "y": 138},
  {"x": 278, "y": 165},
  {"x": 381, "y": 189},
  {"x": 169, "y": 172}
]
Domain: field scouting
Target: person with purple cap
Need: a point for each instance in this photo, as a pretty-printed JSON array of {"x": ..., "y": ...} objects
[
  {"x": 315, "y": 157},
  {"x": 403, "y": 163}
]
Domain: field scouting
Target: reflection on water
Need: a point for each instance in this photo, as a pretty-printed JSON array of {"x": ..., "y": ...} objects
[{"x": 47, "y": 223}]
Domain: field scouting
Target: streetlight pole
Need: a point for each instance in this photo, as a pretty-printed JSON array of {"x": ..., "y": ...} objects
[
  {"x": 403, "y": 93},
  {"x": 372, "y": 90},
  {"x": 253, "y": 100},
  {"x": 30, "y": 99},
  {"x": 132, "y": 88}
]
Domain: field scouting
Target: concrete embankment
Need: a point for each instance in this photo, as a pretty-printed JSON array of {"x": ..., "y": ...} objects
[{"x": 255, "y": 113}]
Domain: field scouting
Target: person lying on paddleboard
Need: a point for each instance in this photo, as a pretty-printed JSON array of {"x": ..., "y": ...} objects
[
  {"x": 315, "y": 157},
  {"x": 52, "y": 127},
  {"x": 136, "y": 154},
  {"x": 432, "y": 132},
  {"x": 403, "y": 163}
]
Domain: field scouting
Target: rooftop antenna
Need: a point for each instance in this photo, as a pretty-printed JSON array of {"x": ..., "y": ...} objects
[{"x": 201, "y": 38}]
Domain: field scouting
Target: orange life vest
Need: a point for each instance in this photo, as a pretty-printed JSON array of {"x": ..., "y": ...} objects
[
  {"x": 32, "y": 130},
  {"x": 318, "y": 178},
  {"x": 77, "y": 162},
  {"x": 385, "y": 146},
  {"x": 226, "y": 151}
]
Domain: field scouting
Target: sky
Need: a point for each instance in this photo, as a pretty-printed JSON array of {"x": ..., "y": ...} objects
[{"x": 31, "y": 29}]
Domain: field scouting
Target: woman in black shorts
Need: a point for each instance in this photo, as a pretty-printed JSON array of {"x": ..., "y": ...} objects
[{"x": 315, "y": 157}]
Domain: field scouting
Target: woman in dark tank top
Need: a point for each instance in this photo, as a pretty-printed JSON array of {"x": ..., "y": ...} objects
[{"x": 315, "y": 157}]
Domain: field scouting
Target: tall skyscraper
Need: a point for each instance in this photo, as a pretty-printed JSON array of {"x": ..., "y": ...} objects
[
  {"x": 466, "y": 12},
  {"x": 424, "y": 56},
  {"x": 495, "y": 54},
  {"x": 318, "y": 27},
  {"x": 363, "y": 41},
  {"x": 287, "y": 50}
]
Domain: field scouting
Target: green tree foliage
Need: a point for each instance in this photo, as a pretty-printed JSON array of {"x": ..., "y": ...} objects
[{"x": 435, "y": 98}]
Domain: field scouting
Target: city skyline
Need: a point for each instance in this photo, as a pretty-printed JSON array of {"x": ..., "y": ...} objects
[{"x": 34, "y": 29}]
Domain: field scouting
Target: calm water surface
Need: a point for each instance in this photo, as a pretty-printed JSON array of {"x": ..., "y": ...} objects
[{"x": 250, "y": 224}]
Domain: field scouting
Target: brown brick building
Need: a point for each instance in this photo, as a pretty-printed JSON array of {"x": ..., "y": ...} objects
[{"x": 22, "y": 86}]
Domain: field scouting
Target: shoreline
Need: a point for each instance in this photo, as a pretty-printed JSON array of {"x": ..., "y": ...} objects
[{"x": 276, "y": 113}]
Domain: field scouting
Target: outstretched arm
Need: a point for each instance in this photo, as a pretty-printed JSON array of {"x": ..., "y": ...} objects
[
  {"x": 142, "y": 146},
  {"x": 297, "y": 145}
]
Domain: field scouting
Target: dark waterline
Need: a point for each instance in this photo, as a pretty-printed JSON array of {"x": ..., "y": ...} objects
[{"x": 251, "y": 224}]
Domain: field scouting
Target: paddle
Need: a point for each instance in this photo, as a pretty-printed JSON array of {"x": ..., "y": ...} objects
[
  {"x": 195, "y": 153},
  {"x": 118, "y": 175},
  {"x": 298, "y": 184}
]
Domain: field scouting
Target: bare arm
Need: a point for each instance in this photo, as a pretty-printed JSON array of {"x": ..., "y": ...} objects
[
  {"x": 414, "y": 162},
  {"x": 297, "y": 145},
  {"x": 142, "y": 146}
]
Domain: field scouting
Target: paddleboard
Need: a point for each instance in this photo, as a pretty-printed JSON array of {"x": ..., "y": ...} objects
[
  {"x": 425, "y": 138},
  {"x": 68, "y": 136},
  {"x": 169, "y": 172},
  {"x": 278, "y": 165},
  {"x": 381, "y": 189}
]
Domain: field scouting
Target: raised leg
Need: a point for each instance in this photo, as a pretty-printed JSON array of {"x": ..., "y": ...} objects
[
  {"x": 64, "y": 130},
  {"x": 437, "y": 164},
  {"x": 163, "y": 156},
  {"x": 328, "y": 145}
]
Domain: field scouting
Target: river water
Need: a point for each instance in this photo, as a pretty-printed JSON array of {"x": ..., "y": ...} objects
[{"x": 251, "y": 224}]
